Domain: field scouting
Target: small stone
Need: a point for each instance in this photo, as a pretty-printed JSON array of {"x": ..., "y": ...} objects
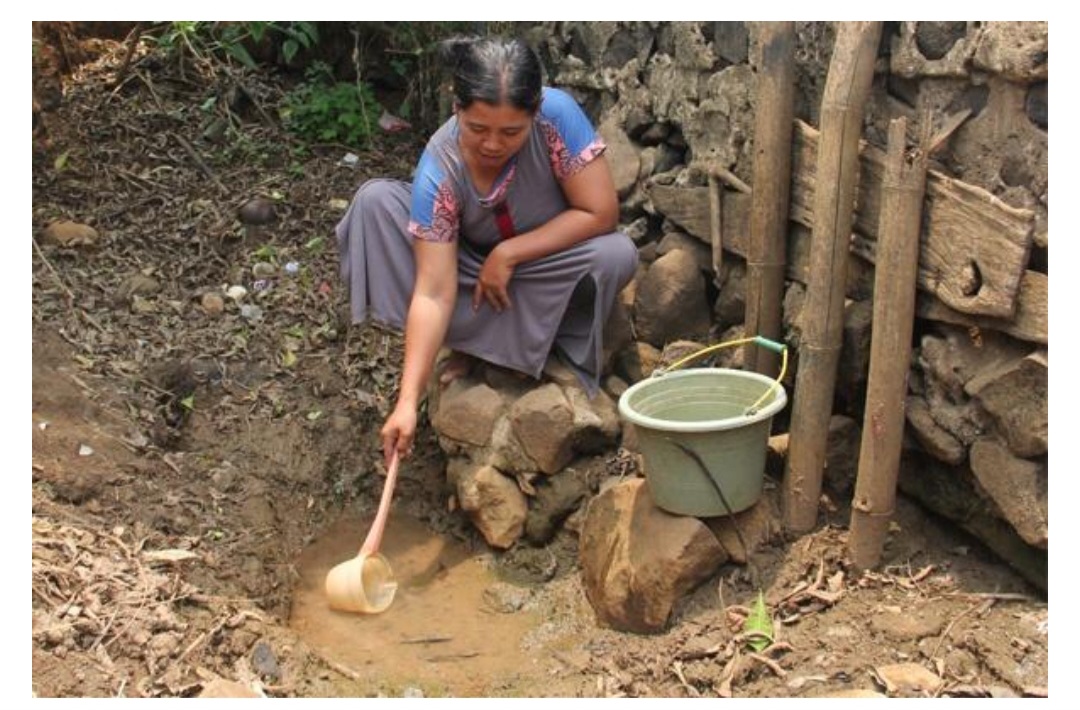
[
  {"x": 505, "y": 598},
  {"x": 69, "y": 234},
  {"x": 142, "y": 305},
  {"x": 338, "y": 205},
  {"x": 263, "y": 270},
  {"x": 908, "y": 677},
  {"x": 412, "y": 692},
  {"x": 236, "y": 293},
  {"x": 265, "y": 662},
  {"x": 221, "y": 688},
  {"x": 212, "y": 304},
  {"x": 258, "y": 212},
  {"x": 615, "y": 386},
  {"x": 85, "y": 450},
  {"x": 138, "y": 285},
  {"x": 251, "y": 313}
]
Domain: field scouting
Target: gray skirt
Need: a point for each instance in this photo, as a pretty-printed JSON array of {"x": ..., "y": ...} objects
[{"x": 559, "y": 303}]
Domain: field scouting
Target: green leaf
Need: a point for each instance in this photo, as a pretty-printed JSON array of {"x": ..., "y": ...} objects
[
  {"x": 188, "y": 402},
  {"x": 309, "y": 30},
  {"x": 266, "y": 253},
  {"x": 257, "y": 30},
  {"x": 289, "y": 48},
  {"x": 760, "y": 622},
  {"x": 61, "y": 161},
  {"x": 288, "y": 358},
  {"x": 315, "y": 244},
  {"x": 314, "y": 414},
  {"x": 241, "y": 55}
]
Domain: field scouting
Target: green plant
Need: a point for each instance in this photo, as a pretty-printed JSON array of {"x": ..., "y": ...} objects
[
  {"x": 324, "y": 110},
  {"x": 207, "y": 41}
]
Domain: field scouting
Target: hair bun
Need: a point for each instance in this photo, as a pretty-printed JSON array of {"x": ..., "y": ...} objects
[{"x": 455, "y": 50}]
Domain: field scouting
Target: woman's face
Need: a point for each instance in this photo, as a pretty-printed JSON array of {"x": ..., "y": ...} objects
[{"x": 491, "y": 134}]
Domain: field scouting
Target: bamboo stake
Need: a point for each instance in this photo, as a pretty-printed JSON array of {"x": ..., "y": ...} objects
[
  {"x": 767, "y": 254},
  {"x": 902, "y": 192},
  {"x": 847, "y": 88}
]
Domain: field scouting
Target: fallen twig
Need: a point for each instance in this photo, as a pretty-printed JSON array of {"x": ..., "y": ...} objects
[
  {"x": 768, "y": 663},
  {"x": 676, "y": 668},
  {"x": 428, "y": 639},
  {"x": 194, "y": 155},
  {"x": 949, "y": 628},
  {"x": 996, "y": 596},
  {"x": 132, "y": 43},
  {"x": 202, "y": 637}
]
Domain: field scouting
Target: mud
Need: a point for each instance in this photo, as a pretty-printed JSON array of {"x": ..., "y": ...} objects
[{"x": 448, "y": 631}]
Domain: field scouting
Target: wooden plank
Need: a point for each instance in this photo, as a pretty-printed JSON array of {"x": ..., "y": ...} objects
[
  {"x": 1031, "y": 321},
  {"x": 974, "y": 248},
  {"x": 688, "y": 207}
]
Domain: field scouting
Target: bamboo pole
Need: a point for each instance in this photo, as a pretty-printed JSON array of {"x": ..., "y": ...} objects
[
  {"x": 767, "y": 254},
  {"x": 902, "y": 191},
  {"x": 847, "y": 88}
]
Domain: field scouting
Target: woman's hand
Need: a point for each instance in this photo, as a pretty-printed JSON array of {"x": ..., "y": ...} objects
[
  {"x": 398, "y": 432},
  {"x": 491, "y": 284}
]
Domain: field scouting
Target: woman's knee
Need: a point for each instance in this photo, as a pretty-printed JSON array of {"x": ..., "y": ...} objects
[
  {"x": 381, "y": 194},
  {"x": 616, "y": 254}
]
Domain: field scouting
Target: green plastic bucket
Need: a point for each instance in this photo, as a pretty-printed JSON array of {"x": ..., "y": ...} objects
[{"x": 706, "y": 411}]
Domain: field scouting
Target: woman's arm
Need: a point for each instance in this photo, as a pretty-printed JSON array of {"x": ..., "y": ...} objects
[
  {"x": 425, "y": 328},
  {"x": 593, "y": 210}
]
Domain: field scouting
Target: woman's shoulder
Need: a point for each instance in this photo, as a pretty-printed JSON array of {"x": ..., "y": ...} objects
[
  {"x": 441, "y": 159},
  {"x": 556, "y": 104}
]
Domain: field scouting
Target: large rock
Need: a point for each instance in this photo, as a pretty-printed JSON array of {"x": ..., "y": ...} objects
[
  {"x": 622, "y": 156},
  {"x": 855, "y": 352},
  {"x": 934, "y": 39},
  {"x": 596, "y": 421},
  {"x": 467, "y": 412},
  {"x": 947, "y": 363},
  {"x": 730, "y": 306},
  {"x": 1019, "y": 51},
  {"x": 638, "y": 561},
  {"x": 618, "y": 331},
  {"x": 636, "y": 362},
  {"x": 495, "y": 504},
  {"x": 758, "y": 525},
  {"x": 842, "y": 453},
  {"x": 731, "y": 40},
  {"x": 907, "y": 58},
  {"x": 937, "y": 442},
  {"x": 1017, "y": 398},
  {"x": 543, "y": 421},
  {"x": 1018, "y": 487},
  {"x": 949, "y": 491},
  {"x": 695, "y": 247},
  {"x": 556, "y": 498},
  {"x": 671, "y": 300}
]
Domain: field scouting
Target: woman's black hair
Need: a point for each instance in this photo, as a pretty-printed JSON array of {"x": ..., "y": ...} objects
[{"x": 493, "y": 70}]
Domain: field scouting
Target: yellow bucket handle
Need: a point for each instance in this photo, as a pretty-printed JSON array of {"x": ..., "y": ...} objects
[{"x": 756, "y": 340}]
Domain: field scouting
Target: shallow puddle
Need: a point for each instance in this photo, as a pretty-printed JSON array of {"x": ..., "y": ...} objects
[{"x": 440, "y": 634}]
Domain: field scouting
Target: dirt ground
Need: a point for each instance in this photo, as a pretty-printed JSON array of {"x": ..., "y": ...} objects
[{"x": 191, "y": 471}]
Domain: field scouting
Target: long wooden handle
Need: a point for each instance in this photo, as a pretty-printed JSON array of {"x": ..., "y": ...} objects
[{"x": 374, "y": 536}]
